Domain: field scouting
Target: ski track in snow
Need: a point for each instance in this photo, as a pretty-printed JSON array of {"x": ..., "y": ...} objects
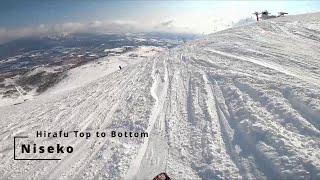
[
  {"x": 243, "y": 103},
  {"x": 134, "y": 167}
]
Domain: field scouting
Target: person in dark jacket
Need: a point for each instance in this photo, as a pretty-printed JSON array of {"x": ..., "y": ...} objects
[{"x": 257, "y": 15}]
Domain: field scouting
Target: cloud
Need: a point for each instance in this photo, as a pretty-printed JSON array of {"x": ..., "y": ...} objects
[
  {"x": 194, "y": 23},
  {"x": 167, "y": 23},
  {"x": 166, "y": 26},
  {"x": 8, "y": 34},
  {"x": 124, "y": 26}
]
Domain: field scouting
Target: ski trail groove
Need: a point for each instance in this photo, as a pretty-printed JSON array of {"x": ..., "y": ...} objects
[{"x": 136, "y": 163}]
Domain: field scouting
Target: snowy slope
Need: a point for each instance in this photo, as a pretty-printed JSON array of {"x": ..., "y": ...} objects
[
  {"x": 240, "y": 103},
  {"x": 101, "y": 67}
]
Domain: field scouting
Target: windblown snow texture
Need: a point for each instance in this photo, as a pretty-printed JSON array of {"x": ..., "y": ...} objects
[{"x": 240, "y": 103}]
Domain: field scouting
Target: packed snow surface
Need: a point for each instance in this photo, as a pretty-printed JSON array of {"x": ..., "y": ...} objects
[{"x": 243, "y": 103}]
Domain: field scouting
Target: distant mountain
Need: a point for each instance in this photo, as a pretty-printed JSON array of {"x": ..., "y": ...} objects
[{"x": 49, "y": 58}]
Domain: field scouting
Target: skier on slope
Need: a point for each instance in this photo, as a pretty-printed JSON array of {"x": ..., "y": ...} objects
[
  {"x": 120, "y": 67},
  {"x": 257, "y": 15}
]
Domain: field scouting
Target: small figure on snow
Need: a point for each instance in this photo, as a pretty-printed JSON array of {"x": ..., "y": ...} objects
[
  {"x": 257, "y": 15},
  {"x": 120, "y": 67}
]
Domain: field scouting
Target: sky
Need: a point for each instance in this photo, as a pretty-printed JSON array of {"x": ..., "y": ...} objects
[{"x": 19, "y": 18}]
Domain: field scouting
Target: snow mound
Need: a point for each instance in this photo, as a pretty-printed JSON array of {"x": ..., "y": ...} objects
[{"x": 243, "y": 103}]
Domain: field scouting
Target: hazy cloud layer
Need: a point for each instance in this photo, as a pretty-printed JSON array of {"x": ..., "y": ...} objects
[
  {"x": 169, "y": 25},
  {"x": 7, "y": 34},
  {"x": 70, "y": 27}
]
